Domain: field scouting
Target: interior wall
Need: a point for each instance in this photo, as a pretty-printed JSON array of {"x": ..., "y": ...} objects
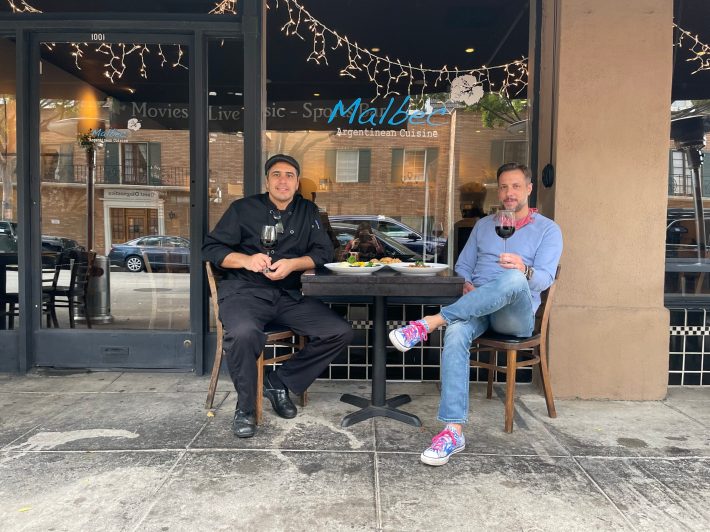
[{"x": 609, "y": 328}]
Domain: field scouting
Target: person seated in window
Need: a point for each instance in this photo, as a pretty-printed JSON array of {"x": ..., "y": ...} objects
[{"x": 365, "y": 244}]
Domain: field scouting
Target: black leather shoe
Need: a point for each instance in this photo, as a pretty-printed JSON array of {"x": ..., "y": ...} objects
[
  {"x": 244, "y": 424},
  {"x": 280, "y": 401}
]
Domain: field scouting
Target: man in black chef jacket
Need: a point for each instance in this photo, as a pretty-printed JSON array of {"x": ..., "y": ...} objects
[{"x": 263, "y": 286}]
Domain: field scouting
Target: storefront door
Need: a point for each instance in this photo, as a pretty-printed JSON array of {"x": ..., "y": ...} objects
[{"x": 114, "y": 147}]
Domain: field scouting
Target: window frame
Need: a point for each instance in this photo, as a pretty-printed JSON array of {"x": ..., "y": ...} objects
[
  {"x": 404, "y": 166},
  {"x": 137, "y": 179},
  {"x": 338, "y": 177}
]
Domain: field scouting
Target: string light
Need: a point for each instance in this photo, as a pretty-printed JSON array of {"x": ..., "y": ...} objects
[
  {"x": 24, "y": 7},
  {"x": 699, "y": 50},
  {"x": 381, "y": 71},
  {"x": 225, "y": 7},
  {"x": 222, "y": 7},
  {"x": 116, "y": 54},
  {"x": 386, "y": 73}
]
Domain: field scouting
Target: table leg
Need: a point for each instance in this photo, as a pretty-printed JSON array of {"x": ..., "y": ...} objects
[{"x": 379, "y": 406}]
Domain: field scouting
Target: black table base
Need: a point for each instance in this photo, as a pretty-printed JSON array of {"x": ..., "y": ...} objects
[
  {"x": 368, "y": 410},
  {"x": 378, "y": 406}
]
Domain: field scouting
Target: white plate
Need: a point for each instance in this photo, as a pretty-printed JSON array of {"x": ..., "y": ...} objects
[
  {"x": 428, "y": 269},
  {"x": 339, "y": 267}
]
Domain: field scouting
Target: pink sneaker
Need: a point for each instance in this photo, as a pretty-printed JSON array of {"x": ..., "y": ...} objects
[
  {"x": 443, "y": 445},
  {"x": 407, "y": 337}
]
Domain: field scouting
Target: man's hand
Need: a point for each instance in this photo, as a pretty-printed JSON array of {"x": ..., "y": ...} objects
[
  {"x": 257, "y": 262},
  {"x": 511, "y": 261},
  {"x": 280, "y": 269},
  {"x": 468, "y": 287}
]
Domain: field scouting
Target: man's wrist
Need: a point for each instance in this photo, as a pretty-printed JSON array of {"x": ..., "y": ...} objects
[{"x": 528, "y": 272}]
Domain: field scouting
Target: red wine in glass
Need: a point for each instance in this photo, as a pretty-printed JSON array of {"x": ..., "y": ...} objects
[
  {"x": 505, "y": 231},
  {"x": 505, "y": 225},
  {"x": 269, "y": 235}
]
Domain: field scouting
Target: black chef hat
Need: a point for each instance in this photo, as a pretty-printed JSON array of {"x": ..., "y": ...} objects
[{"x": 281, "y": 158}]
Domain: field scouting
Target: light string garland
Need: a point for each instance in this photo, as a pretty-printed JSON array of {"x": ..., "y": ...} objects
[
  {"x": 386, "y": 73},
  {"x": 699, "y": 50},
  {"x": 223, "y": 7},
  {"x": 22, "y": 7},
  {"x": 117, "y": 53},
  {"x": 380, "y": 70}
]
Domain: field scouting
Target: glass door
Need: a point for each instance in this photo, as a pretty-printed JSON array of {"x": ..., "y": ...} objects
[{"x": 112, "y": 113}]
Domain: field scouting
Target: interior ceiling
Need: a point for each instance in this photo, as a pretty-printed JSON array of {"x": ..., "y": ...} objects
[
  {"x": 692, "y": 16},
  {"x": 434, "y": 33},
  {"x": 429, "y": 32}
]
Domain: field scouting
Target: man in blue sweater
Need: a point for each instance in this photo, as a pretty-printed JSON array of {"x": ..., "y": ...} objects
[{"x": 502, "y": 291}]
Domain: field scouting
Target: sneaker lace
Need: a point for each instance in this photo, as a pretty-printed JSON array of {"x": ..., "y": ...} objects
[
  {"x": 442, "y": 439},
  {"x": 415, "y": 331}
]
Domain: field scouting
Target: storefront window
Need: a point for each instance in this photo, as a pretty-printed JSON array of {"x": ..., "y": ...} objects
[
  {"x": 8, "y": 181},
  {"x": 115, "y": 170},
  {"x": 391, "y": 149},
  {"x": 687, "y": 217},
  {"x": 226, "y": 127}
]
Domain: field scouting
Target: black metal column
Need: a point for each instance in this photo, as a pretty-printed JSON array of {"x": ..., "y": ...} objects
[{"x": 254, "y": 24}]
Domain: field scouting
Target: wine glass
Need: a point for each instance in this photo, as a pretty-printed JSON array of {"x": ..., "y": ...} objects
[
  {"x": 437, "y": 230},
  {"x": 505, "y": 225},
  {"x": 269, "y": 236}
]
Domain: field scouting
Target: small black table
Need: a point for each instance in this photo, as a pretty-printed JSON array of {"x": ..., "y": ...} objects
[{"x": 442, "y": 288}]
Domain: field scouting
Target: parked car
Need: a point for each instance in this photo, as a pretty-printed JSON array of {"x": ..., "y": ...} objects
[
  {"x": 60, "y": 244},
  {"x": 57, "y": 244},
  {"x": 346, "y": 232},
  {"x": 395, "y": 229},
  {"x": 162, "y": 252}
]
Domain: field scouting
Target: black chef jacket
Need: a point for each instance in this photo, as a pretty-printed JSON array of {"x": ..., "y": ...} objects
[{"x": 239, "y": 230}]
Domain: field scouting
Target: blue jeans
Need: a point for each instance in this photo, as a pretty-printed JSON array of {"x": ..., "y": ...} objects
[{"x": 505, "y": 305}]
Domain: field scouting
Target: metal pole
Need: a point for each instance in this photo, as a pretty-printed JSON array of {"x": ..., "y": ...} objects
[
  {"x": 695, "y": 161},
  {"x": 91, "y": 168}
]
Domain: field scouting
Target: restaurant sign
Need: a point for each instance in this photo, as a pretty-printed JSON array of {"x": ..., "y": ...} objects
[
  {"x": 321, "y": 115},
  {"x": 130, "y": 194}
]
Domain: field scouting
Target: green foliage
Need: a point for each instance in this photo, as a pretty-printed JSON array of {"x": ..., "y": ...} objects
[
  {"x": 499, "y": 111},
  {"x": 496, "y": 110}
]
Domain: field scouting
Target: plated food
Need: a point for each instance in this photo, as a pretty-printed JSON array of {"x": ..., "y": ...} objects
[
  {"x": 419, "y": 268},
  {"x": 354, "y": 268},
  {"x": 386, "y": 260}
]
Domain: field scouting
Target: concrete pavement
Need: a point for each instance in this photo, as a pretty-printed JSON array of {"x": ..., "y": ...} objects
[{"x": 136, "y": 451}]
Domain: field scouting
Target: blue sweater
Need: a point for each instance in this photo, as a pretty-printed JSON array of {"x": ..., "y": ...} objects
[{"x": 539, "y": 243}]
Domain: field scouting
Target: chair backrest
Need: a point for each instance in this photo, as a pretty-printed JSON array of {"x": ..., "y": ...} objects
[
  {"x": 542, "y": 316},
  {"x": 212, "y": 278},
  {"x": 81, "y": 272}
]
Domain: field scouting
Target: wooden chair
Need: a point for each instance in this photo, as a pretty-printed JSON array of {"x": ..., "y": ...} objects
[
  {"x": 274, "y": 336},
  {"x": 10, "y": 302},
  {"x": 537, "y": 344}
]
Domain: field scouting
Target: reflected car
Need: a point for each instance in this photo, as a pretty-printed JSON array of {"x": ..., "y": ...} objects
[
  {"x": 157, "y": 252},
  {"x": 395, "y": 229},
  {"x": 59, "y": 244},
  {"x": 681, "y": 233},
  {"x": 346, "y": 232},
  {"x": 55, "y": 244}
]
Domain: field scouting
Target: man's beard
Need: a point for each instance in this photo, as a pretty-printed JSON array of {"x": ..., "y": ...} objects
[{"x": 521, "y": 205}]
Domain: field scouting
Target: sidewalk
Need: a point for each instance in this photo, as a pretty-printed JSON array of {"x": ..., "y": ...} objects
[{"x": 136, "y": 451}]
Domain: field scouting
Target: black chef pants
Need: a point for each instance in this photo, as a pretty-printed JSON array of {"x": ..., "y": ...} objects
[{"x": 244, "y": 317}]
